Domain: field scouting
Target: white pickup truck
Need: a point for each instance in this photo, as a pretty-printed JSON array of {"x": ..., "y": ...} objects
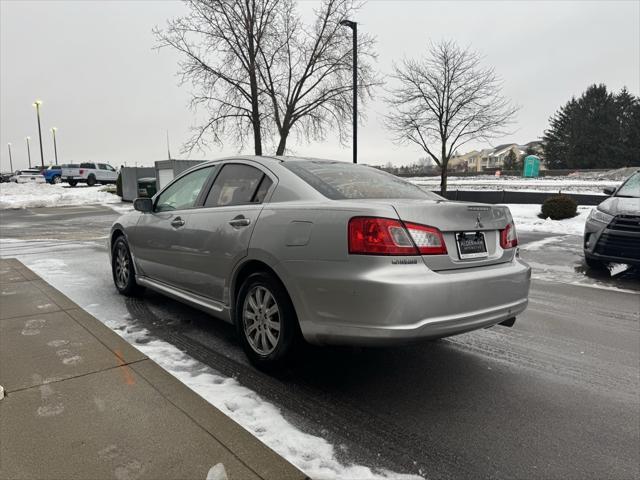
[{"x": 89, "y": 173}]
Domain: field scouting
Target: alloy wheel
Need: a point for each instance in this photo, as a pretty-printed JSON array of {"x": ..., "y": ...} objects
[
  {"x": 261, "y": 320},
  {"x": 122, "y": 266}
]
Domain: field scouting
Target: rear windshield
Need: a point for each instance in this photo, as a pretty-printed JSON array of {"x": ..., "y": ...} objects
[{"x": 341, "y": 180}]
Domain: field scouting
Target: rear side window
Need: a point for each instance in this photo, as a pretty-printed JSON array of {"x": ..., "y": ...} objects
[
  {"x": 340, "y": 181},
  {"x": 236, "y": 184},
  {"x": 88, "y": 165}
]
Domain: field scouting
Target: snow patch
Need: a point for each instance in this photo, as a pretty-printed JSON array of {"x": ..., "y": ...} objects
[
  {"x": 33, "y": 195},
  {"x": 217, "y": 472},
  {"x": 527, "y": 220},
  {"x": 591, "y": 186}
]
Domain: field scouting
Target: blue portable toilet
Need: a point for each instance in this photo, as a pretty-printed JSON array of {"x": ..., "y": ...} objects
[{"x": 531, "y": 166}]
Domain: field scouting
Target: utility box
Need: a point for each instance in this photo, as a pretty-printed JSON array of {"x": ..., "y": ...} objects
[
  {"x": 531, "y": 166},
  {"x": 130, "y": 178},
  {"x": 147, "y": 187},
  {"x": 167, "y": 170}
]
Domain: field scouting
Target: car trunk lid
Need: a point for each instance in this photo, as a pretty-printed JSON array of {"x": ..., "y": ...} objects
[{"x": 462, "y": 225}]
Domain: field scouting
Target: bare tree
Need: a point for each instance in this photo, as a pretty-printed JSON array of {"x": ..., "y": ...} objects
[
  {"x": 446, "y": 100},
  {"x": 307, "y": 72},
  {"x": 221, "y": 42}
]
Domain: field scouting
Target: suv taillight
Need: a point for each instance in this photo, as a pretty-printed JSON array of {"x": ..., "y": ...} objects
[
  {"x": 80, "y": 172},
  {"x": 508, "y": 236},
  {"x": 385, "y": 236}
]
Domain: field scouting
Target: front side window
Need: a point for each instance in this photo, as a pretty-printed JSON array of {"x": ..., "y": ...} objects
[
  {"x": 341, "y": 180},
  {"x": 102, "y": 166},
  {"x": 183, "y": 193},
  {"x": 110, "y": 168},
  {"x": 236, "y": 185}
]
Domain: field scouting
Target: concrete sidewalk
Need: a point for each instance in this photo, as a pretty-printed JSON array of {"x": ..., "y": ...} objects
[{"x": 81, "y": 403}]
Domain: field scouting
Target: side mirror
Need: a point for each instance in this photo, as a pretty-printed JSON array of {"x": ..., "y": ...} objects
[
  {"x": 143, "y": 205},
  {"x": 609, "y": 190}
]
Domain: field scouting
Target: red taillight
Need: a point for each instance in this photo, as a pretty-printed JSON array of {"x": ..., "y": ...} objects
[
  {"x": 379, "y": 236},
  {"x": 80, "y": 172},
  {"x": 508, "y": 236},
  {"x": 385, "y": 236}
]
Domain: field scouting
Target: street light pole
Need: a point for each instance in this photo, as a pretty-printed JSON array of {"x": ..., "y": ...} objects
[
  {"x": 354, "y": 28},
  {"x": 37, "y": 104},
  {"x": 10, "y": 159},
  {"x": 28, "y": 151},
  {"x": 55, "y": 146}
]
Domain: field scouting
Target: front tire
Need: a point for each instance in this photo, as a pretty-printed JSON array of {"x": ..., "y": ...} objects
[
  {"x": 266, "y": 321},
  {"x": 56, "y": 179},
  {"x": 73, "y": 183},
  {"x": 122, "y": 269}
]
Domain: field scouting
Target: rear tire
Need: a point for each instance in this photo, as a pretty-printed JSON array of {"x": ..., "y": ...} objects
[
  {"x": 56, "y": 179},
  {"x": 122, "y": 269},
  {"x": 266, "y": 321},
  {"x": 91, "y": 181}
]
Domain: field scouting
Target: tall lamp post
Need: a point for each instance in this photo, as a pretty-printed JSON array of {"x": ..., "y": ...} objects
[
  {"x": 37, "y": 104},
  {"x": 354, "y": 28},
  {"x": 10, "y": 159},
  {"x": 55, "y": 146},
  {"x": 28, "y": 150}
]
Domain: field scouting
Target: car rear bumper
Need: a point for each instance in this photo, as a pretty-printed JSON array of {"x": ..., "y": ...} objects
[
  {"x": 36, "y": 179},
  {"x": 395, "y": 304}
]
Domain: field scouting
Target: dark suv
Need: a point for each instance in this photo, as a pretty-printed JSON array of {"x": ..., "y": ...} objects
[{"x": 612, "y": 231}]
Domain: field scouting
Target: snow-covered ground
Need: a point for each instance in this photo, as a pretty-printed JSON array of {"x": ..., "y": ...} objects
[
  {"x": 77, "y": 277},
  {"x": 33, "y": 195},
  {"x": 542, "y": 184},
  {"x": 527, "y": 220}
]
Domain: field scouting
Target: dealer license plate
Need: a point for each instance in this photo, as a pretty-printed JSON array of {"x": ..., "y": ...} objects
[{"x": 471, "y": 245}]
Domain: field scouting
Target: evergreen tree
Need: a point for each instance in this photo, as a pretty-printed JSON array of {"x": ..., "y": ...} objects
[
  {"x": 510, "y": 161},
  {"x": 597, "y": 130}
]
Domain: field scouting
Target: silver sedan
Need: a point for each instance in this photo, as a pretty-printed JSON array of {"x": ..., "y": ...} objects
[{"x": 332, "y": 252}]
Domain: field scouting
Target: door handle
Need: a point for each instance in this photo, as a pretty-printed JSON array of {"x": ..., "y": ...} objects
[
  {"x": 177, "y": 222},
  {"x": 240, "y": 221}
]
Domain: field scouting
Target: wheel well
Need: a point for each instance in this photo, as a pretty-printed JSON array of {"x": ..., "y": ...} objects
[
  {"x": 114, "y": 236},
  {"x": 250, "y": 267}
]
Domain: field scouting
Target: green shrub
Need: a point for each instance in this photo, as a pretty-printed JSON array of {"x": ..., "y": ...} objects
[
  {"x": 119, "y": 185},
  {"x": 559, "y": 207}
]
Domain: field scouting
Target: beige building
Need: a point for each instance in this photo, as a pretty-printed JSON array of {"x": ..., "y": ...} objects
[{"x": 491, "y": 158}]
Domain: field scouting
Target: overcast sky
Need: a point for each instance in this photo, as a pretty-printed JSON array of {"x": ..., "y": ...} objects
[{"x": 112, "y": 97}]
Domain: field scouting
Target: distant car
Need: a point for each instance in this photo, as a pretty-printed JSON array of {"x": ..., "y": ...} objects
[
  {"x": 31, "y": 175},
  {"x": 5, "y": 177},
  {"x": 89, "y": 173},
  {"x": 336, "y": 252},
  {"x": 53, "y": 174},
  {"x": 612, "y": 231}
]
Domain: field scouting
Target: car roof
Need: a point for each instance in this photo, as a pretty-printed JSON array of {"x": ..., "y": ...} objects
[{"x": 274, "y": 159}]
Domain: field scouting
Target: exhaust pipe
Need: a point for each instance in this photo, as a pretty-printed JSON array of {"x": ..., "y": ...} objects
[{"x": 508, "y": 322}]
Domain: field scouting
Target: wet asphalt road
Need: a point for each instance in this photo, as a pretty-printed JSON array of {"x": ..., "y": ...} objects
[{"x": 556, "y": 396}]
